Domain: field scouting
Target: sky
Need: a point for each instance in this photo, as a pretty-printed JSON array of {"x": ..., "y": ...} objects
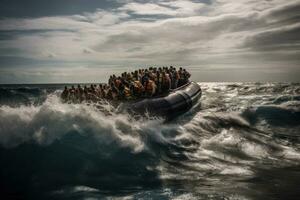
[{"x": 72, "y": 41}]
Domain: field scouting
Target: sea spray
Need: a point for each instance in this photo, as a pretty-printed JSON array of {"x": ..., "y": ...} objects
[{"x": 238, "y": 134}]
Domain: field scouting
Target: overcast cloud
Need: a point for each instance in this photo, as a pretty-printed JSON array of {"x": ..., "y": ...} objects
[{"x": 86, "y": 40}]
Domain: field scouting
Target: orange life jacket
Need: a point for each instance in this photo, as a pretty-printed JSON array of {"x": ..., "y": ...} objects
[
  {"x": 138, "y": 87},
  {"x": 149, "y": 86},
  {"x": 127, "y": 92}
]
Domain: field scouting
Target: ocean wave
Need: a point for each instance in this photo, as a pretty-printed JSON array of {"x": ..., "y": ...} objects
[
  {"x": 15, "y": 97},
  {"x": 77, "y": 148},
  {"x": 50, "y": 121}
]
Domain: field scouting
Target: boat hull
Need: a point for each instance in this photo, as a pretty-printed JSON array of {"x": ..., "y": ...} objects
[{"x": 175, "y": 103}]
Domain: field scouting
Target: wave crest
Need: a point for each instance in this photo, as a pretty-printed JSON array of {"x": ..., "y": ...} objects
[{"x": 52, "y": 120}]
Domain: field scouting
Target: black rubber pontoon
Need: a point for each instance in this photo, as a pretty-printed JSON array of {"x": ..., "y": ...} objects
[{"x": 176, "y": 102}]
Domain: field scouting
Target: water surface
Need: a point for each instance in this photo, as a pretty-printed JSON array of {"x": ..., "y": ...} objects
[{"x": 241, "y": 142}]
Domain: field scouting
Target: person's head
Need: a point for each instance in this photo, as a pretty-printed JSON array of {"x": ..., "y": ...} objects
[
  {"x": 66, "y": 87},
  {"x": 78, "y": 86},
  {"x": 180, "y": 68},
  {"x": 73, "y": 87}
]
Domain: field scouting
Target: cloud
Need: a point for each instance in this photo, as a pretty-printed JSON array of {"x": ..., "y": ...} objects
[
  {"x": 168, "y": 8},
  {"x": 147, "y": 9},
  {"x": 85, "y": 21},
  {"x": 275, "y": 39},
  {"x": 87, "y": 51},
  {"x": 38, "y": 8},
  {"x": 240, "y": 34}
]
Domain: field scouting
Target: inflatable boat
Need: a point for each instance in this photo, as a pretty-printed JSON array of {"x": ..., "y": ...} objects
[{"x": 176, "y": 102}]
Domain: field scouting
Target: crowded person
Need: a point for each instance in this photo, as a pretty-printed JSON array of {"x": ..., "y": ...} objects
[
  {"x": 141, "y": 83},
  {"x": 65, "y": 94}
]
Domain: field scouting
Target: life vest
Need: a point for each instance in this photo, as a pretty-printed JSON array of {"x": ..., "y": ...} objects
[
  {"x": 138, "y": 87},
  {"x": 127, "y": 93},
  {"x": 149, "y": 87}
]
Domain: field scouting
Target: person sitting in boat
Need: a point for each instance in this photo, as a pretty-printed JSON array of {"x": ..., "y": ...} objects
[
  {"x": 100, "y": 91},
  {"x": 65, "y": 94},
  {"x": 150, "y": 87},
  {"x": 109, "y": 95},
  {"x": 186, "y": 76},
  {"x": 181, "y": 77},
  {"x": 72, "y": 96},
  {"x": 112, "y": 79},
  {"x": 105, "y": 90},
  {"x": 144, "y": 77},
  {"x": 113, "y": 92},
  {"x": 89, "y": 93},
  {"x": 142, "y": 82},
  {"x": 160, "y": 80},
  {"x": 175, "y": 78},
  {"x": 166, "y": 82},
  {"x": 137, "y": 89},
  {"x": 86, "y": 93},
  {"x": 124, "y": 92},
  {"x": 92, "y": 89},
  {"x": 79, "y": 93}
]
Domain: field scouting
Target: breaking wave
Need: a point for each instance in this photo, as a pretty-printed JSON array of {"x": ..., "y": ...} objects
[{"x": 81, "y": 150}]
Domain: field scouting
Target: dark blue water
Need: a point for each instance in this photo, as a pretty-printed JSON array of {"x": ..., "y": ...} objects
[{"x": 241, "y": 142}]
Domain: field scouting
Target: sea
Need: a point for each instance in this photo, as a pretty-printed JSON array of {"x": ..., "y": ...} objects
[{"x": 241, "y": 141}]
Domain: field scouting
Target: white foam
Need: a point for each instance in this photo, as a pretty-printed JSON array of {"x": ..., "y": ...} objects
[{"x": 53, "y": 119}]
